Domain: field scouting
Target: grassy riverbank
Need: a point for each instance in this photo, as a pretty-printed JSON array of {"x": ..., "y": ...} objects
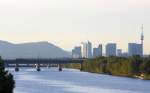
[{"x": 135, "y": 66}]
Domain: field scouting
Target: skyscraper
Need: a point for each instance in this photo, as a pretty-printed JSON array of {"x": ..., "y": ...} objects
[
  {"x": 135, "y": 49},
  {"x": 119, "y": 52},
  {"x": 87, "y": 50},
  {"x": 111, "y": 49},
  {"x": 76, "y": 52},
  {"x": 84, "y": 50},
  {"x": 97, "y": 51}
]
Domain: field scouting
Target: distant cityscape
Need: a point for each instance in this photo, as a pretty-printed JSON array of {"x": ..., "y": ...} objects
[{"x": 86, "y": 50}]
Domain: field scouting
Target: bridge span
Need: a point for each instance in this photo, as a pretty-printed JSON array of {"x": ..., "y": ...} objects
[{"x": 40, "y": 62}]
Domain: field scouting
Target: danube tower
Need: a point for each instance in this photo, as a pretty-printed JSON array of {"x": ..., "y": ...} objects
[{"x": 142, "y": 37}]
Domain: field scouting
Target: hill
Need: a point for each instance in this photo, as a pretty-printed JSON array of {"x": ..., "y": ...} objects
[{"x": 31, "y": 50}]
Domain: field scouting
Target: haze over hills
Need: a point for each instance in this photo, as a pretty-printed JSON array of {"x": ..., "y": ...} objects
[{"x": 31, "y": 50}]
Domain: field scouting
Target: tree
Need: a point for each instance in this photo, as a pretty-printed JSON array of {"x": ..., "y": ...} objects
[
  {"x": 7, "y": 82},
  {"x": 135, "y": 63},
  {"x": 145, "y": 66}
]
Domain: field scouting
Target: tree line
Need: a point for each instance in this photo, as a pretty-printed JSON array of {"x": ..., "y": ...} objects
[{"x": 134, "y": 66}]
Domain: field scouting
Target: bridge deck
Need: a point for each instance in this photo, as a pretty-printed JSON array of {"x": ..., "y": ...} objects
[{"x": 43, "y": 61}]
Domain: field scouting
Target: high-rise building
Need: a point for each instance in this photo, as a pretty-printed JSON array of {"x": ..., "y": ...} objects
[
  {"x": 76, "y": 52},
  {"x": 87, "y": 50},
  {"x": 125, "y": 54},
  {"x": 111, "y": 49},
  {"x": 119, "y": 52},
  {"x": 97, "y": 51},
  {"x": 135, "y": 49},
  {"x": 84, "y": 50}
]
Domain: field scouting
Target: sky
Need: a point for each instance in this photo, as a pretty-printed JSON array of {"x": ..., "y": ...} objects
[{"x": 67, "y": 23}]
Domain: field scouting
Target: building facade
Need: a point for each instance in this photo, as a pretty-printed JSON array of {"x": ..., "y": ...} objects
[
  {"x": 135, "y": 49},
  {"x": 111, "y": 49},
  {"x": 76, "y": 52},
  {"x": 119, "y": 52},
  {"x": 87, "y": 50},
  {"x": 97, "y": 51}
]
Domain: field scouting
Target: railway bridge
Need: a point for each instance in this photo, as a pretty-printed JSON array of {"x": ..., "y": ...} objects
[{"x": 42, "y": 62}]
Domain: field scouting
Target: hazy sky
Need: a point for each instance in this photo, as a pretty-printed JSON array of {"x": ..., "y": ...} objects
[{"x": 67, "y": 23}]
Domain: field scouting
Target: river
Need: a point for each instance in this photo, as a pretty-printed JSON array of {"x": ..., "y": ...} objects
[{"x": 28, "y": 80}]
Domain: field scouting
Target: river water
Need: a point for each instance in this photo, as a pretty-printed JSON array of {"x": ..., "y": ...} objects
[{"x": 28, "y": 80}]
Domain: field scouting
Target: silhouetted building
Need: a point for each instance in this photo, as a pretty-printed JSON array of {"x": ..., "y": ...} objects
[{"x": 111, "y": 49}]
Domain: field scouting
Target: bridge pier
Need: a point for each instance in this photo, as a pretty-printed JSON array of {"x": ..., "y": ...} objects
[
  {"x": 60, "y": 67},
  {"x": 16, "y": 67},
  {"x": 48, "y": 65},
  {"x": 38, "y": 67},
  {"x": 81, "y": 67}
]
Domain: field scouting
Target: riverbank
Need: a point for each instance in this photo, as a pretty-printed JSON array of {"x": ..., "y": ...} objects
[
  {"x": 143, "y": 77},
  {"x": 134, "y": 67}
]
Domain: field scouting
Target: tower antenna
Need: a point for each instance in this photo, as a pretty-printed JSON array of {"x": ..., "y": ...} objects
[
  {"x": 142, "y": 34},
  {"x": 142, "y": 38}
]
